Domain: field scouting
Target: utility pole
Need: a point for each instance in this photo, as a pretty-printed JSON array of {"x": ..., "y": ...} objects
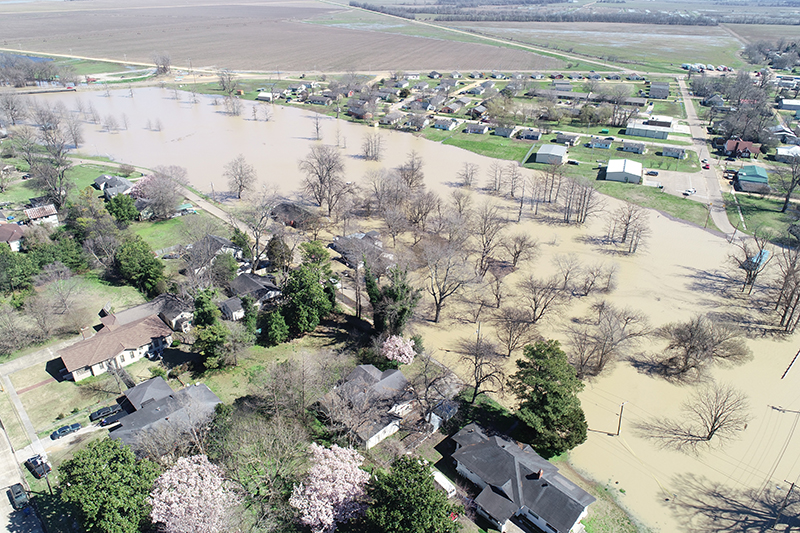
[
  {"x": 619, "y": 425},
  {"x": 783, "y": 505}
]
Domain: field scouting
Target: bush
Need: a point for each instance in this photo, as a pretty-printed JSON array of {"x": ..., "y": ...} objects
[
  {"x": 158, "y": 372},
  {"x": 274, "y": 330}
]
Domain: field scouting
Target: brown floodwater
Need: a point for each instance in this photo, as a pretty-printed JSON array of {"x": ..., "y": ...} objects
[{"x": 202, "y": 138}]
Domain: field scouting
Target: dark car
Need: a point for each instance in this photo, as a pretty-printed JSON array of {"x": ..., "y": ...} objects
[
  {"x": 109, "y": 420},
  {"x": 19, "y": 498},
  {"x": 104, "y": 412},
  {"x": 38, "y": 466},
  {"x": 573, "y": 162},
  {"x": 64, "y": 431},
  {"x": 652, "y": 173}
]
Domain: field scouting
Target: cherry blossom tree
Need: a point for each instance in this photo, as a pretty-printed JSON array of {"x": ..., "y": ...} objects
[
  {"x": 396, "y": 348},
  {"x": 334, "y": 491},
  {"x": 192, "y": 497}
]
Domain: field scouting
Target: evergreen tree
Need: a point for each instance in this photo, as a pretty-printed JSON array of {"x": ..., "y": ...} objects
[
  {"x": 547, "y": 388},
  {"x": 394, "y": 303},
  {"x": 206, "y": 311},
  {"x": 306, "y": 301},
  {"x": 274, "y": 330},
  {"x": 278, "y": 253},
  {"x": 241, "y": 240},
  {"x": 135, "y": 262},
  {"x": 122, "y": 207}
]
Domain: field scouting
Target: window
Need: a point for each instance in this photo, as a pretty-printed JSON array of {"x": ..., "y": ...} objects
[{"x": 122, "y": 357}]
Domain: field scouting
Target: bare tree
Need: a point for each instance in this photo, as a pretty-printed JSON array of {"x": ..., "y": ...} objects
[
  {"x": 240, "y": 174},
  {"x": 553, "y": 178},
  {"x": 789, "y": 179},
  {"x": 13, "y": 107},
  {"x": 461, "y": 202},
  {"x": 162, "y": 190},
  {"x": 396, "y": 224},
  {"x": 698, "y": 343},
  {"x": 317, "y": 120},
  {"x": 512, "y": 179},
  {"x": 628, "y": 225},
  {"x": 372, "y": 146},
  {"x": 421, "y": 204},
  {"x": 431, "y": 384},
  {"x": 61, "y": 283},
  {"x": 323, "y": 168},
  {"x": 483, "y": 365},
  {"x": 752, "y": 256},
  {"x": 162, "y": 62},
  {"x": 447, "y": 273},
  {"x": 496, "y": 177},
  {"x": 787, "y": 288},
  {"x": 233, "y": 106},
  {"x": 543, "y": 296},
  {"x": 581, "y": 201},
  {"x": 520, "y": 247},
  {"x": 411, "y": 172},
  {"x": 487, "y": 225},
  {"x": 593, "y": 345},
  {"x": 110, "y": 124},
  {"x": 256, "y": 216},
  {"x": 467, "y": 174},
  {"x": 514, "y": 328},
  {"x": 714, "y": 412},
  {"x": 596, "y": 277},
  {"x": 227, "y": 81}
]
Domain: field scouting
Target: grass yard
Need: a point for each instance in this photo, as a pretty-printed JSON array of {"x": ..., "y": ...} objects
[
  {"x": 12, "y": 424},
  {"x": 670, "y": 108},
  {"x": 650, "y": 159},
  {"x": 165, "y": 233},
  {"x": 651, "y": 197},
  {"x": 759, "y": 213},
  {"x": 82, "y": 67},
  {"x": 488, "y": 145}
]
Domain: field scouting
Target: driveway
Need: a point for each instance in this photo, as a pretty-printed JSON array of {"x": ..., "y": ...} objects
[{"x": 10, "y": 519}]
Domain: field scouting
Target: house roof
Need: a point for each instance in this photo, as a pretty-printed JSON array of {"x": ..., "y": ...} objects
[
  {"x": 41, "y": 212},
  {"x": 753, "y": 174},
  {"x": 252, "y": 285},
  {"x": 170, "y": 415},
  {"x": 736, "y": 145},
  {"x": 624, "y": 165},
  {"x": 105, "y": 181},
  {"x": 152, "y": 390},
  {"x": 554, "y": 149},
  {"x": 782, "y": 151},
  {"x": 233, "y": 304},
  {"x": 11, "y": 232},
  {"x": 169, "y": 305},
  {"x": 110, "y": 341},
  {"x": 517, "y": 476},
  {"x": 367, "y": 382}
]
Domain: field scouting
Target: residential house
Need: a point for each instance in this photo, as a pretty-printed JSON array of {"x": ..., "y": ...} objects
[
  {"x": 477, "y": 112},
  {"x": 624, "y": 170},
  {"x": 552, "y": 154},
  {"x": 292, "y": 214},
  {"x": 635, "y": 77},
  {"x": 739, "y": 148},
  {"x": 412, "y": 75},
  {"x": 112, "y": 185},
  {"x": 318, "y": 99},
  {"x": 752, "y": 178},
  {"x": 783, "y": 133},
  {"x": 673, "y": 151},
  {"x": 455, "y": 74},
  {"x": 598, "y": 142},
  {"x": 436, "y": 101},
  {"x": 783, "y": 155},
  {"x": 421, "y": 86},
  {"x": 261, "y": 289},
  {"x": 452, "y": 108},
  {"x": 390, "y": 119},
  {"x": 488, "y": 84},
  {"x": 568, "y": 139},
  {"x": 593, "y": 76},
  {"x": 354, "y": 248},
  {"x": 370, "y": 403},
  {"x": 496, "y": 74},
  {"x": 201, "y": 254},
  {"x": 464, "y": 100},
  {"x": 530, "y": 134},
  {"x": 633, "y": 147},
  {"x": 417, "y": 121},
  {"x": 298, "y": 88},
  {"x": 12, "y": 235},
  {"x": 45, "y": 215},
  {"x": 232, "y": 309},
  {"x": 562, "y": 85},
  {"x": 447, "y": 124},
  {"x": 537, "y": 76},
  {"x": 176, "y": 312},
  {"x": 659, "y": 90},
  {"x": 475, "y": 75},
  {"x": 790, "y": 105},
  {"x": 520, "y": 490},
  {"x": 662, "y": 121},
  {"x": 115, "y": 347},
  {"x": 477, "y": 90},
  {"x": 402, "y": 84},
  {"x": 434, "y": 75},
  {"x": 505, "y": 131},
  {"x": 360, "y": 112},
  {"x": 478, "y": 128},
  {"x": 714, "y": 100},
  {"x": 613, "y": 77},
  {"x": 160, "y": 418}
]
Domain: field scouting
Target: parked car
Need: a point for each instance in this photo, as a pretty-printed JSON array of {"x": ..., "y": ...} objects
[
  {"x": 573, "y": 162},
  {"x": 109, "y": 420},
  {"x": 104, "y": 412},
  {"x": 64, "y": 431},
  {"x": 38, "y": 466},
  {"x": 704, "y": 161},
  {"x": 652, "y": 173},
  {"x": 706, "y": 166},
  {"x": 19, "y": 498},
  {"x": 689, "y": 192}
]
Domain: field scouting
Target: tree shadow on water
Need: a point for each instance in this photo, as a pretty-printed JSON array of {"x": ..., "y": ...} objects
[{"x": 706, "y": 506}]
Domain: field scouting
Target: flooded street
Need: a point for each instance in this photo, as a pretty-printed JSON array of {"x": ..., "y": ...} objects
[{"x": 202, "y": 138}]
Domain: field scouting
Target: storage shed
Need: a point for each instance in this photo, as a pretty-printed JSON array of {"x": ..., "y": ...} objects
[
  {"x": 624, "y": 170},
  {"x": 552, "y": 154}
]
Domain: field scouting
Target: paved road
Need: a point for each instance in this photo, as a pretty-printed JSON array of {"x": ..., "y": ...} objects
[
  {"x": 10, "y": 474},
  {"x": 710, "y": 187}
]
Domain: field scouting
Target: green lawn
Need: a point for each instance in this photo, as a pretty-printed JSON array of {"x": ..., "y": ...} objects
[
  {"x": 12, "y": 424},
  {"x": 758, "y": 213},
  {"x": 681, "y": 208},
  {"x": 82, "y": 67},
  {"x": 670, "y": 108},
  {"x": 650, "y": 159},
  {"x": 488, "y": 145},
  {"x": 165, "y": 233}
]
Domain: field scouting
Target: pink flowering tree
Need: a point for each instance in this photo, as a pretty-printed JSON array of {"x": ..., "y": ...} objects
[
  {"x": 396, "y": 348},
  {"x": 192, "y": 497},
  {"x": 334, "y": 490}
]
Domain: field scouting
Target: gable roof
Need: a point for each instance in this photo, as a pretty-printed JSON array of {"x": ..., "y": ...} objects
[
  {"x": 252, "y": 285},
  {"x": 735, "y": 145},
  {"x": 517, "y": 476},
  {"x": 111, "y": 341},
  {"x": 167, "y": 304},
  {"x": 11, "y": 233},
  {"x": 151, "y": 390},
  {"x": 752, "y": 173},
  {"x": 41, "y": 212}
]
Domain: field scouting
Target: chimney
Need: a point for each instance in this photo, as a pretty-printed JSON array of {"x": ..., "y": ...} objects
[{"x": 540, "y": 474}]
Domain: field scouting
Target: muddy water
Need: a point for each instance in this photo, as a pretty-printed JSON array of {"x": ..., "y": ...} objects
[{"x": 202, "y": 138}]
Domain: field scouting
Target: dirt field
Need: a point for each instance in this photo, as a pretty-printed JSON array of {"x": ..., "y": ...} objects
[{"x": 265, "y": 36}]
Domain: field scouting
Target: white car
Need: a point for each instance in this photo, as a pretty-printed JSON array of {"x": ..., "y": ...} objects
[{"x": 689, "y": 192}]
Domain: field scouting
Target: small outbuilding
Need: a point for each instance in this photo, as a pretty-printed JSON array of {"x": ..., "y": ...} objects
[{"x": 624, "y": 170}]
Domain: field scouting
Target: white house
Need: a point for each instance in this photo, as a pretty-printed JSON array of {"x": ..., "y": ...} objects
[
  {"x": 519, "y": 489},
  {"x": 783, "y": 154},
  {"x": 624, "y": 170},
  {"x": 791, "y": 105},
  {"x": 43, "y": 215},
  {"x": 232, "y": 309},
  {"x": 674, "y": 151},
  {"x": 12, "y": 234},
  {"x": 552, "y": 154},
  {"x": 115, "y": 347}
]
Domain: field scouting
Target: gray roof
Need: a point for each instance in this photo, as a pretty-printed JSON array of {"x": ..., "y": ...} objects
[
  {"x": 153, "y": 389},
  {"x": 555, "y": 149},
  {"x": 517, "y": 476},
  {"x": 168, "y": 305},
  {"x": 105, "y": 181},
  {"x": 233, "y": 304},
  {"x": 367, "y": 382},
  {"x": 253, "y": 285},
  {"x": 173, "y": 414}
]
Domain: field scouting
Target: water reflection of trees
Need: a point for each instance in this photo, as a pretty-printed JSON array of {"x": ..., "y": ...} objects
[{"x": 706, "y": 506}]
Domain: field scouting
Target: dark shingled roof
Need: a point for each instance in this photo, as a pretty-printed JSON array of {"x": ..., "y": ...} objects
[
  {"x": 512, "y": 473},
  {"x": 153, "y": 389}
]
